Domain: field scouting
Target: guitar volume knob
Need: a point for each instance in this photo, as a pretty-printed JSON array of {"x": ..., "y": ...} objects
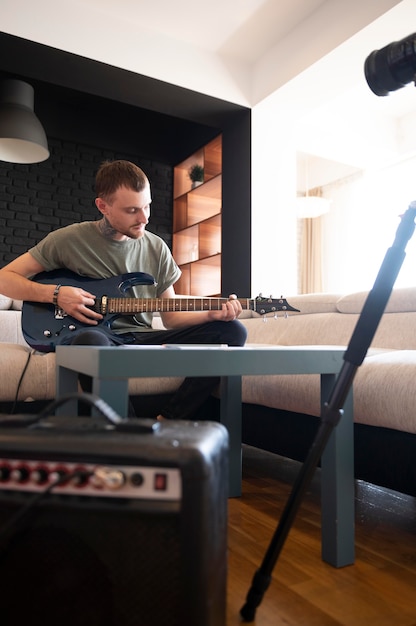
[
  {"x": 47, "y": 333},
  {"x": 72, "y": 327}
]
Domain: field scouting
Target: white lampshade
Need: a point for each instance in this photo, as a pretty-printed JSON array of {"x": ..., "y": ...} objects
[
  {"x": 22, "y": 138},
  {"x": 311, "y": 206}
]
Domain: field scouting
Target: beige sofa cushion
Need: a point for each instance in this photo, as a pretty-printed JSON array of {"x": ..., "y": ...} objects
[
  {"x": 395, "y": 331},
  {"x": 384, "y": 391},
  {"x": 17, "y": 305},
  {"x": 289, "y": 393},
  {"x": 316, "y": 329},
  {"x": 10, "y": 328},
  {"x": 314, "y": 303},
  {"x": 401, "y": 300},
  {"x": 5, "y": 303},
  {"x": 152, "y": 386},
  {"x": 38, "y": 381}
]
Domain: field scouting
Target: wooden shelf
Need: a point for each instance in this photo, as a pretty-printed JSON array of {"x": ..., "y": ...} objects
[
  {"x": 206, "y": 276},
  {"x": 209, "y": 157},
  {"x": 197, "y": 223},
  {"x": 200, "y": 277},
  {"x": 186, "y": 245},
  {"x": 210, "y": 237},
  {"x": 198, "y": 241}
]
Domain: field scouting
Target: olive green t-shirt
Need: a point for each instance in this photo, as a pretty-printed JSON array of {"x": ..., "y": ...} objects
[{"x": 83, "y": 249}]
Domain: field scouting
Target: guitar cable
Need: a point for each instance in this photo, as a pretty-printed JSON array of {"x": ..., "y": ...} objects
[
  {"x": 114, "y": 421},
  {"x": 19, "y": 384}
]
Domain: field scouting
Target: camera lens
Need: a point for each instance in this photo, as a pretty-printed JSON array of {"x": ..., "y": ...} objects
[{"x": 392, "y": 67}]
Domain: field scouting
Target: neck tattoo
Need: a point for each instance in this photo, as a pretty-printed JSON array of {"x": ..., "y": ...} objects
[{"x": 106, "y": 229}]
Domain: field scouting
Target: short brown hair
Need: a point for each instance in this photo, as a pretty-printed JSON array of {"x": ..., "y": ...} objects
[{"x": 114, "y": 174}]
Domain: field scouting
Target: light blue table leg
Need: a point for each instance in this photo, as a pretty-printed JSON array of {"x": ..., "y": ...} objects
[
  {"x": 115, "y": 392},
  {"x": 230, "y": 416},
  {"x": 66, "y": 383},
  {"x": 112, "y": 391},
  {"x": 337, "y": 486}
]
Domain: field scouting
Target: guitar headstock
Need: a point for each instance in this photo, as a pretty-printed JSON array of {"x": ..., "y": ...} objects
[{"x": 264, "y": 305}]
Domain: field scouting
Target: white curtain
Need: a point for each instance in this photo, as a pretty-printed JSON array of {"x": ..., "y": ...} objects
[{"x": 311, "y": 256}]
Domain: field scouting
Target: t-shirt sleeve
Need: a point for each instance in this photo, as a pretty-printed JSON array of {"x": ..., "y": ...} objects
[
  {"x": 46, "y": 252},
  {"x": 169, "y": 271}
]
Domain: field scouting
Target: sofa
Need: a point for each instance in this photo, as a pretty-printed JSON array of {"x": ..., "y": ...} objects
[{"x": 280, "y": 413}]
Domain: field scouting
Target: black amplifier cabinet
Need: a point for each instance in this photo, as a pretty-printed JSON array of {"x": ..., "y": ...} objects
[{"x": 136, "y": 538}]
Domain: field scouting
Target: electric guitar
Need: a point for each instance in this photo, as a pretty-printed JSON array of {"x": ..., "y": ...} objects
[{"x": 45, "y": 326}]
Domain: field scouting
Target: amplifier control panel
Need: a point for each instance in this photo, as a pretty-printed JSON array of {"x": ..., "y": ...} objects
[{"x": 119, "y": 481}]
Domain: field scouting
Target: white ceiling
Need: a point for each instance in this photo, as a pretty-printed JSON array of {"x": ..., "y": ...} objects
[
  {"x": 241, "y": 29},
  {"x": 248, "y": 51},
  {"x": 244, "y": 31}
]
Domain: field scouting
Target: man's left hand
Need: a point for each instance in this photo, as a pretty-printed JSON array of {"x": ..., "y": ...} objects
[{"x": 230, "y": 310}]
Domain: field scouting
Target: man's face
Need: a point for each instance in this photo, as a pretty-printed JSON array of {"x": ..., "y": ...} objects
[{"x": 128, "y": 213}]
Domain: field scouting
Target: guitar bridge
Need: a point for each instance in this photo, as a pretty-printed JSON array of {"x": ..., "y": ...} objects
[{"x": 59, "y": 313}]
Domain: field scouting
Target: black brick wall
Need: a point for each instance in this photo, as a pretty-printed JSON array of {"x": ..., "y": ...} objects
[{"x": 38, "y": 198}]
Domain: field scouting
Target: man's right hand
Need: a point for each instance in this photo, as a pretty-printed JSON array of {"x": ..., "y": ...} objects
[{"x": 76, "y": 302}]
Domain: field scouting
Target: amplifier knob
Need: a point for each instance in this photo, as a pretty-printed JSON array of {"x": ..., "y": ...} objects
[
  {"x": 108, "y": 478},
  {"x": 20, "y": 474},
  {"x": 137, "y": 479},
  {"x": 58, "y": 474},
  {"x": 40, "y": 475},
  {"x": 5, "y": 472},
  {"x": 82, "y": 477}
]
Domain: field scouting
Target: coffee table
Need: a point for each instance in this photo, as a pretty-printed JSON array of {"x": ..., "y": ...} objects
[{"x": 111, "y": 367}]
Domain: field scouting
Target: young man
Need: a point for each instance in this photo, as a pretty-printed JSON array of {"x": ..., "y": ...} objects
[{"x": 116, "y": 244}]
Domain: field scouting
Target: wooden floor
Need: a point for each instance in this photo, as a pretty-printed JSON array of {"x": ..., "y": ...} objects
[{"x": 378, "y": 590}]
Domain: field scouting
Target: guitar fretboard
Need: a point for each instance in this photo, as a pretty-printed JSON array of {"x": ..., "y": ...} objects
[{"x": 153, "y": 305}]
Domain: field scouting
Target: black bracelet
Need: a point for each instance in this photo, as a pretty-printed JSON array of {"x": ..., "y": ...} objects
[{"x": 55, "y": 295}]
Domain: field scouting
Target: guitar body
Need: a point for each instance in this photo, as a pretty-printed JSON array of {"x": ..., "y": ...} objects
[{"x": 45, "y": 327}]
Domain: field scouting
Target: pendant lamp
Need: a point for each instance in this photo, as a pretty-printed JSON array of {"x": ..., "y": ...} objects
[{"x": 22, "y": 137}]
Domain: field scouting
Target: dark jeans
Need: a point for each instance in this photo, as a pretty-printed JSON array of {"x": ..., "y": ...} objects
[{"x": 194, "y": 391}]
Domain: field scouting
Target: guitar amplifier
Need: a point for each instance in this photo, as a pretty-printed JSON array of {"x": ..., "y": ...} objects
[{"x": 101, "y": 527}]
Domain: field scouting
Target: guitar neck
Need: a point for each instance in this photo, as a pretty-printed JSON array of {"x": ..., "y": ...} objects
[{"x": 153, "y": 305}]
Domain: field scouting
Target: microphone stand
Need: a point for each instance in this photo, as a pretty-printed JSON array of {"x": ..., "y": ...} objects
[{"x": 332, "y": 410}]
